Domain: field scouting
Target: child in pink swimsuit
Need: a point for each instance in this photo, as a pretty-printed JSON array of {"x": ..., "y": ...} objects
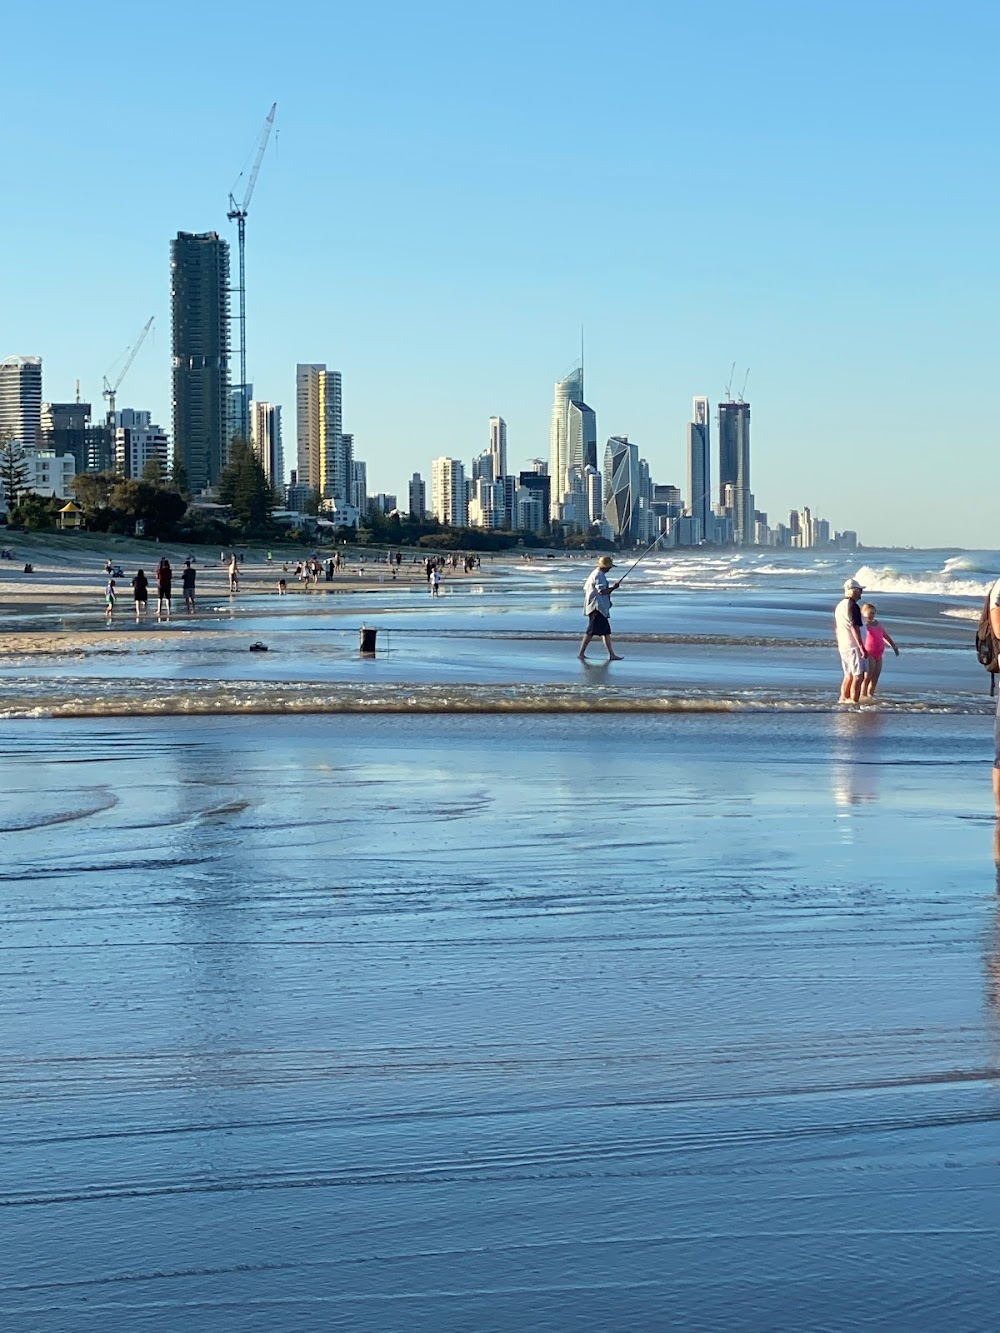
[{"x": 876, "y": 637}]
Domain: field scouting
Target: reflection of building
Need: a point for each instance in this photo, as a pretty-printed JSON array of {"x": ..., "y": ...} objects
[
  {"x": 199, "y": 304},
  {"x": 21, "y": 399},
  {"x": 137, "y": 442},
  {"x": 699, "y": 467},
  {"x": 734, "y": 468},
  {"x": 449, "y": 494},
  {"x": 418, "y": 496},
  {"x": 621, "y": 488}
]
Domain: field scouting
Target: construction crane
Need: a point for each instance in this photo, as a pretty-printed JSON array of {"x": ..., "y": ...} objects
[
  {"x": 238, "y": 214},
  {"x": 110, "y": 390},
  {"x": 743, "y": 391},
  {"x": 729, "y": 386}
]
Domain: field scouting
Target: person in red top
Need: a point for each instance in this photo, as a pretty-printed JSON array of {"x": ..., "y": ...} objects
[{"x": 876, "y": 637}]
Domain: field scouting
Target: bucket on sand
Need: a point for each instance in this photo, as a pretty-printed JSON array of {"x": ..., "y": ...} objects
[{"x": 368, "y": 640}]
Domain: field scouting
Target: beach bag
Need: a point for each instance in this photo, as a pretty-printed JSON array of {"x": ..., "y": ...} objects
[{"x": 986, "y": 645}]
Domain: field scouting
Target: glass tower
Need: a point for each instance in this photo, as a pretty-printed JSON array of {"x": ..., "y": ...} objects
[{"x": 199, "y": 306}]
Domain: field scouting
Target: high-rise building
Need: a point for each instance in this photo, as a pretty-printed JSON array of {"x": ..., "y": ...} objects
[
  {"x": 449, "y": 492},
  {"x": 734, "y": 467},
  {"x": 484, "y": 467},
  {"x": 582, "y": 434},
  {"x": 21, "y": 399},
  {"x": 498, "y": 446},
  {"x": 418, "y": 496},
  {"x": 325, "y": 454},
  {"x": 240, "y": 410},
  {"x": 621, "y": 488},
  {"x": 199, "y": 307},
  {"x": 137, "y": 440},
  {"x": 699, "y": 464},
  {"x": 572, "y": 439},
  {"x": 533, "y": 499},
  {"x": 64, "y": 430},
  {"x": 265, "y": 434},
  {"x": 359, "y": 485}
]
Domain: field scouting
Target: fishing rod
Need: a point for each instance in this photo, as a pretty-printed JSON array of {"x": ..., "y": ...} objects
[{"x": 641, "y": 558}]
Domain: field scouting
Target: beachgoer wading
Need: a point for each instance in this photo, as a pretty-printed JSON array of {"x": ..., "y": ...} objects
[
  {"x": 597, "y": 607},
  {"x": 853, "y": 658}
]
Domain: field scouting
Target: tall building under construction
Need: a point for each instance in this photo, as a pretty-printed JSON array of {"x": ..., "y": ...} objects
[{"x": 199, "y": 307}]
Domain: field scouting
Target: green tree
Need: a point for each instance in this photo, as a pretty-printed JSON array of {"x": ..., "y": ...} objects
[
  {"x": 34, "y": 511},
  {"x": 152, "y": 471},
  {"x": 93, "y": 495},
  {"x": 160, "y": 508},
  {"x": 179, "y": 477},
  {"x": 13, "y": 471},
  {"x": 245, "y": 488}
]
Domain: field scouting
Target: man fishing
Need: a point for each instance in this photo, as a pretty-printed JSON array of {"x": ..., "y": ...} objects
[{"x": 597, "y": 607}]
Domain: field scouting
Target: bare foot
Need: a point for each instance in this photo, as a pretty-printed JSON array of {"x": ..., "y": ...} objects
[
  {"x": 613, "y": 657},
  {"x": 582, "y": 657}
]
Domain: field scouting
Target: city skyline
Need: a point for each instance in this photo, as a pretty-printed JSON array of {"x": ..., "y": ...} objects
[{"x": 437, "y": 258}]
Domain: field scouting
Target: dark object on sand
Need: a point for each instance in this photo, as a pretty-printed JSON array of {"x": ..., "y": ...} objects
[
  {"x": 29, "y": 569},
  {"x": 368, "y": 640},
  {"x": 258, "y": 647}
]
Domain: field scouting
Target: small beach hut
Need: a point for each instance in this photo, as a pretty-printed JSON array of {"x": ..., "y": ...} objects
[{"x": 69, "y": 515}]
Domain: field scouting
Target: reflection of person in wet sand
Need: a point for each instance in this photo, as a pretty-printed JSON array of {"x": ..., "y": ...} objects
[
  {"x": 876, "y": 636},
  {"x": 597, "y": 607}
]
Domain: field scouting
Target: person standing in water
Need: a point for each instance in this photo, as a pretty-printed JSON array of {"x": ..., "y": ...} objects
[
  {"x": 140, "y": 591},
  {"x": 847, "y": 623},
  {"x": 876, "y": 636},
  {"x": 597, "y": 607},
  {"x": 164, "y": 582},
  {"x": 188, "y": 576},
  {"x": 109, "y": 599}
]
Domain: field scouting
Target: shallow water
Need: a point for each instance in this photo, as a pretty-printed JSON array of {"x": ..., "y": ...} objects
[{"x": 499, "y": 1022}]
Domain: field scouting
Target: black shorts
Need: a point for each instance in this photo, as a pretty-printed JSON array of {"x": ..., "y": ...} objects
[{"x": 598, "y": 625}]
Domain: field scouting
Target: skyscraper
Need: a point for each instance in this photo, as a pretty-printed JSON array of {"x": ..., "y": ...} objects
[
  {"x": 448, "y": 489},
  {"x": 700, "y": 466},
  {"x": 265, "y": 431},
  {"x": 325, "y": 454},
  {"x": 734, "y": 466},
  {"x": 621, "y": 487},
  {"x": 572, "y": 439},
  {"x": 498, "y": 446},
  {"x": 199, "y": 308},
  {"x": 418, "y": 496},
  {"x": 21, "y": 399}
]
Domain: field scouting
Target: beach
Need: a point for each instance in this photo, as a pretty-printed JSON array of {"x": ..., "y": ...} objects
[{"x": 469, "y": 987}]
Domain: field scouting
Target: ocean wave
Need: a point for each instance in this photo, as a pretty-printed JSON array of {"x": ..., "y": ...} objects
[
  {"x": 940, "y": 583},
  {"x": 212, "y": 698}
]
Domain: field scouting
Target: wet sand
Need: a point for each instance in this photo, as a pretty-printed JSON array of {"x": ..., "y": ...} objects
[{"x": 499, "y": 1023}]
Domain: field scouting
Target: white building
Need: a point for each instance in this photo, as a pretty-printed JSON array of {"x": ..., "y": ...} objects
[
  {"x": 48, "y": 473},
  {"x": 137, "y": 440},
  {"x": 265, "y": 435},
  {"x": 21, "y": 399},
  {"x": 498, "y": 446},
  {"x": 487, "y": 508},
  {"x": 449, "y": 494}
]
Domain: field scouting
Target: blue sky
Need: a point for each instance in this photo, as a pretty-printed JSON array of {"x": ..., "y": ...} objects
[{"x": 807, "y": 189}]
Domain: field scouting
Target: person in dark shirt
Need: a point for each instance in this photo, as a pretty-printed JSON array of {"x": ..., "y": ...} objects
[
  {"x": 140, "y": 591},
  {"x": 164, "y": 580},
  {"x": 187, "y": 584}
]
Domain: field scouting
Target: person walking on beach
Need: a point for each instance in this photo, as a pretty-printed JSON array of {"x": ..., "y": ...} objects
[
  {"x": 164, "y": 580},
  {"x": 109, "y": 599},
  {"x": 234, "y": 574},
  {"x": 140, "y": 591},
  {"x": 847, "y": 623},
  {"x": 597, "y": 607},
  {"x": 435, "y": 579},
  {"x": 188, "y": 575},
  {"x": 876, "y": 636}
]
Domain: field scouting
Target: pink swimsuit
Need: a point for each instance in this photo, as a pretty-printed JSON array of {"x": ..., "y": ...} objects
[{"x": 874, "y": 640}]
